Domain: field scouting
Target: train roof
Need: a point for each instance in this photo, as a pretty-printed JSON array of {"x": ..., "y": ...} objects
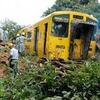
[
  {"x": 74, "y": 12},
  {"x": 69, "y": 12}
]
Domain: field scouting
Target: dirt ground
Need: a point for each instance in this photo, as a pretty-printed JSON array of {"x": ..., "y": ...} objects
[
  {"x": 4, "y": 63},
  {"x": 4, "y": 54}
]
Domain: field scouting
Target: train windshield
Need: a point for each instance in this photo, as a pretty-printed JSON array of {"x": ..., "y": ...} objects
[{"x": 60, "y": 26}]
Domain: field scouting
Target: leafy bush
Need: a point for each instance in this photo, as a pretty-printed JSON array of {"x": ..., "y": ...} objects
[{"x": 42, "y": 81}]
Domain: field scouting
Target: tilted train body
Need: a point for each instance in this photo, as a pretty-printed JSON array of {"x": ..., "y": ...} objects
[{"x": 62, "y": 34}]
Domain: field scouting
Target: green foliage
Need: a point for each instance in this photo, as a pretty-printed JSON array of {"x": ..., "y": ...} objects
[
  {"x": 11, "y": 27},
  {"x": 86, "y": 6},
  {"x": 42, "y": 82},
  {"x": 2, "y": 91}
]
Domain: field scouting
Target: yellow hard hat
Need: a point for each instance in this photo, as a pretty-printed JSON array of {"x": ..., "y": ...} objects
[
  {"x": 17, "y": 34},
  {"x": 23, "y": 33}
]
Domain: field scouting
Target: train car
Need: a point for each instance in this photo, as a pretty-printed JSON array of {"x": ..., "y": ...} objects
[
  {"x": 29, "y": 41},
  {"x": 64, "y": 34}
]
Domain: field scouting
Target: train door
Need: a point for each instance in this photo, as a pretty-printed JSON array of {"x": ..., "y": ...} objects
[
  {"x": 88, "y": 32},
  {"x": 81, "y": 38},
  {"x": 45, "y": 38},
  {"x": 28, "y": 41},
  {"x": 36, "y": 31},
  {"x": 75, "y": 44}
]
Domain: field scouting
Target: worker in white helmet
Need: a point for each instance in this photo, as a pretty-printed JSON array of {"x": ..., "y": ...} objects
[
  {"x": 17, "y": 34},
  {"x": 22, "y": 40},
  {"x": 17, "y": 42}
]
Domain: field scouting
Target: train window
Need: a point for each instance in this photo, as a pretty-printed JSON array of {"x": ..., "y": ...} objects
[
  {"x": 60, "y": 26},
  {"x": 61, "y": 18},
  {"x": 29, "y": 35},
  {"x": 77, "y": 17},
  {"x": 77, "y": 30}
]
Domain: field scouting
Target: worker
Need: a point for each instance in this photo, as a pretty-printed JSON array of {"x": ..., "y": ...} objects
[
  {"x": 17, "y": 43},
  {"x": 13, "y": 59},
  {"x": 22, "y": 40}
]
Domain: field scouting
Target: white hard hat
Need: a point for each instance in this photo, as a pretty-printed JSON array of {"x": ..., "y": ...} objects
[{"x": 17, "y": 34}]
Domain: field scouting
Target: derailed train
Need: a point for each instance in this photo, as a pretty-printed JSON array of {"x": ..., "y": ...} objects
[{"x": 62, "y": 34}]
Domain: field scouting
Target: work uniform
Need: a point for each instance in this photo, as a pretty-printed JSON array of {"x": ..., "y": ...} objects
[
  {"x": 22, "y": 47},
  {"x": 14, "y": 60}
]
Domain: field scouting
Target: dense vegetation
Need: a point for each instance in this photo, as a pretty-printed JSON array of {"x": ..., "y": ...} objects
[
  {"x": 43, "y": 81},
  {"x": 10, "y": 27},
  {"x": 86, "y": 6}
]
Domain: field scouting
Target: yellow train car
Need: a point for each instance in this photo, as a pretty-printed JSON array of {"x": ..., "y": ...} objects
[
  {"x": 63, "y": 34},
  {"x": 29, "y": 41}
]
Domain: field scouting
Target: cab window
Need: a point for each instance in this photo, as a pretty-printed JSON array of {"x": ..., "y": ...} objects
[{"x": 60, "y": 26}]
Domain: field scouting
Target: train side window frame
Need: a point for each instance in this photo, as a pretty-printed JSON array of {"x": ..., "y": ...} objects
[
  {"x": 78, "y": 17},
  {"x": 36, "y": 34},
  {"x": 45, "y": 37},
  {"x": 36, "y": 31},
  {"x": 29, "y": 35},
  {"x": 64, "y": 25}
]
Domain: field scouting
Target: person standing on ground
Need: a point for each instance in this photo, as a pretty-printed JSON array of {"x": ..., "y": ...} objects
[{"x": 13, "y": 59}]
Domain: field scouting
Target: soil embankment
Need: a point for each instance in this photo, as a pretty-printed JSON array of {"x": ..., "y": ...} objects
[{"x": 4, "y": 54}]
